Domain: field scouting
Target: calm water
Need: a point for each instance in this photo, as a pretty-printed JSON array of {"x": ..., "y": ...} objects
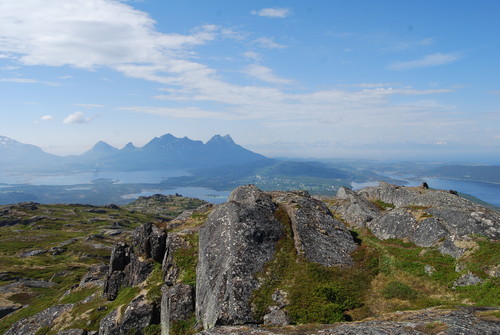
[
  {"x": 488, "y": 192},
  {"x": 132, "y": 177}
]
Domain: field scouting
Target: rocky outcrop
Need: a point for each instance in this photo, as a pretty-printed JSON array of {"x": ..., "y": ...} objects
[
  {"x": 238, "y": 239},
  {"x": 177, "y": 304},
  {"x": 463, "y": 320},
  {"x": 354, "y": 208},
  {"x": 150, "y": 241},
  {"x": 45, "y": 318},
  {"x": 126, "y": 268},
  {"x": 169, "y": 268},
  {"x": 96, "y": 275},
  {"x": 139, "y": 314},
  {"x": 421, "y": 215},
  {"x": 317, "y": 235}
]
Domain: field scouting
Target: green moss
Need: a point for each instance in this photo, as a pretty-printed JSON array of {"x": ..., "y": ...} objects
[
  {"x": 43, "y": 330},
  {"x": 155, "y": 282},
  {"x": 382, "y": 205},
  {"x": 183, "y": 327},
  {"x": 484, "y": 294},
  {"x": 485, "y": 257},
  {"x": 395, "y": 289},
  {"x": 79, "y": 295},
  {"x": 316, "y": 293},
  {"x": 152, "y": 330},
  {"x": 186, "y": 260}
]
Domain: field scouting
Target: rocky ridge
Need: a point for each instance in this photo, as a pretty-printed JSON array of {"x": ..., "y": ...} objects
[
  {"x": 423, "y": 216},
  {"x": 243, "y": 266}
]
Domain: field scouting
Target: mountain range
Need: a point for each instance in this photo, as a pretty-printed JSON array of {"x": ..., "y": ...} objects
[{"x": 165, "y": 152}]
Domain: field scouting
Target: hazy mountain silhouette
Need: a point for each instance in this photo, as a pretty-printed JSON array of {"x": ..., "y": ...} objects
[{"x": 165, "y": 152}]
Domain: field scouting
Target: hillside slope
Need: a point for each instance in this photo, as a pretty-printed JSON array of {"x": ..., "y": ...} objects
[{"x": 271, "y": 259}]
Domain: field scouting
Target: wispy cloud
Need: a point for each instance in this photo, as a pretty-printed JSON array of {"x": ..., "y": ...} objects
[
  {"x": 427, "y": 61},
  {"x": 494, "y": 92},
  {"x": 77, "y": 117},
  {"x": 269, "y": 43},
  {"x": 252, "y": 55},
  {"x": 90, "y": 105},
  {"x": 47, "y": 118},
  {"x": 408, "y": 45},
  {"x": 276, "y": 12},
  {"x": 265, "y": 74},
  {"x": 27, "y": 81},
  {"x": 180, "y": 113}
]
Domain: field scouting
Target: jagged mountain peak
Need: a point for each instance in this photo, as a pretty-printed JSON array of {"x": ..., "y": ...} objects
[
  {"x": 129, "y": 146},
  {"x": 218, "y": 139},
  {"x": 103, "y": 146}
]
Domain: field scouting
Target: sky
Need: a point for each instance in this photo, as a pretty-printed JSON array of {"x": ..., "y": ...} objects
[{"x": 294, "y": 78}]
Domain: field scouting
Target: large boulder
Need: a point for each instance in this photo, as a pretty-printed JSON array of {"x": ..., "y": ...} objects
[
  {"x": 149, "y": 240},
  {"x": 238, "y": 239},
  {"x": 317, "y": 235},
  {"x": 177, "y": 304},
  {"x": 354, "y": 208},
  {"x": 139, "y": 314}
]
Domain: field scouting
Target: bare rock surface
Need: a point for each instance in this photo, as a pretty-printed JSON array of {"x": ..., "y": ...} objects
[
  {"x": 237, "y": 240},
  {"x": 177, "y": 303},
  {"x": 45, "y": 318},
  {"x": 136, "y": 316},
  {"x": 463, "y": 320},
  {"x": 422, "y": 215},
  {"x": 354, "y": 208},
  {"x": 317, "y": 235}
]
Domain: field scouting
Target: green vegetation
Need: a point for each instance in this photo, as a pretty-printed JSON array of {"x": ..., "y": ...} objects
[
  {"x": 183, "y": 327},
  {"x": 152, "y": 330},
  {"x": 382, "y": 205},
  {"x": 85, "y": 235},
  {"x": 154, "y": 284},
  {"x": 317, "y": 294},
  {"x": 186, "y": 260},
  {"x": 395, "y": 289}
]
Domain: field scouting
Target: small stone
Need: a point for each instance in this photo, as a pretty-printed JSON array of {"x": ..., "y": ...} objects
[
  {"x": 467, "y": 279},
  {"x": 276, "y": 318}
]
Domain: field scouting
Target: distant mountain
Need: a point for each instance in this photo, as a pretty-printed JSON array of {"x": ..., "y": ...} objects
[
  {"x": 165, "y": 152},
  {"x": 490, "y": 174},
  {"x": 16, "y": 156}
]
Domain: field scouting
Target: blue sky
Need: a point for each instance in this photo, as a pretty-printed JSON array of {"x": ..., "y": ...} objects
[{"x": 284, "y": 78}]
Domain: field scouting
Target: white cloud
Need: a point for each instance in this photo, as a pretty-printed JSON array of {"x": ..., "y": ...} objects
[
  {"x": 265, "y": 74},
  {"x": 108, "y": 33},
  {"x": 269, "y": 43},
  {"x": 87, "y": 33},
  {"x": 76, "y": 117},
  {"x": 27, "y": 81},
  {"x": 427, "y": 61},
  {"x": 47, "y": 118},
  {"x": 273, "y": 12}
]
